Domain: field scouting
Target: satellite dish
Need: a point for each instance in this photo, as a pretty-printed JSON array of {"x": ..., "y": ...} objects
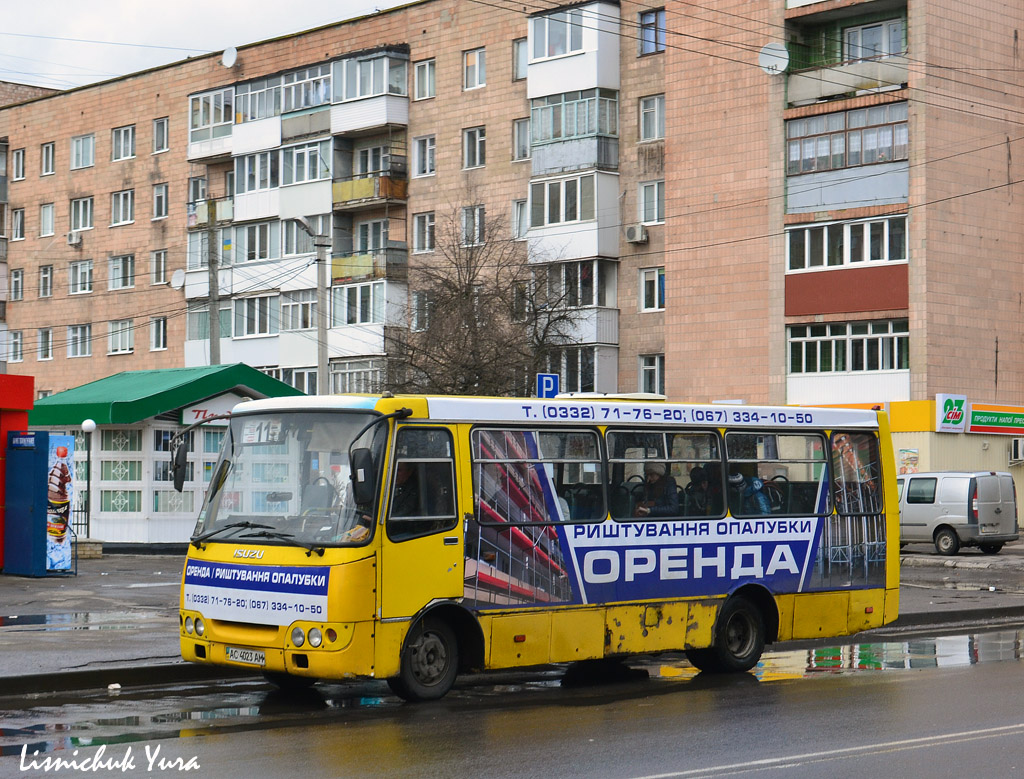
[
  {"x": 773, "y": 59},
  {"x": 229, "y": 57},
  {"x": 178, "y": 279}
]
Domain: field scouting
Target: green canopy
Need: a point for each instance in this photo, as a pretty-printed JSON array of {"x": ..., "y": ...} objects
[{"x": 131, "y": 396}]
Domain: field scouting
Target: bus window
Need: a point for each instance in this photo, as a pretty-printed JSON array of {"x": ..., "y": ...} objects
[
  {"x": 856, "y": 467},
  {"x": 537, "y": 476},
  {"x": 423, "y": 484},
  {"x": 774, "y": 473}
]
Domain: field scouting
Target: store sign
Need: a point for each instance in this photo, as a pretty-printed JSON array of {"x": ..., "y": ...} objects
[
  {"x": 988, "y": 418},
  {"x": 950, "y": 413},
  {"x": 221, "y": 404}
]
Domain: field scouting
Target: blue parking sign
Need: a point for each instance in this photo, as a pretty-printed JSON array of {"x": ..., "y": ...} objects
[{"x": 547, "y": 385}]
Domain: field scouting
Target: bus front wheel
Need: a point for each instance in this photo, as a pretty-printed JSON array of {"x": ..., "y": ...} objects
[
  {"x": 430, "y": 661},
  {"x": 739, "y": 639}
]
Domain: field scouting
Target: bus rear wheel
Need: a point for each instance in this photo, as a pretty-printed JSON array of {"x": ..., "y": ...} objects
[
  {"x": 430, "y": 661},
  {"x": 739, "y": 640}
]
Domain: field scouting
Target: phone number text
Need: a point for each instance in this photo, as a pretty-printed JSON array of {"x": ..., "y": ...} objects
[{"x": 625, "y": 413}]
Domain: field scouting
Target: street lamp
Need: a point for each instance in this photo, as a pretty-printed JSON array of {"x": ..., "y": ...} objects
[
  {"x": 88, "y": 426},
  {"x": 322, "y": 244}
]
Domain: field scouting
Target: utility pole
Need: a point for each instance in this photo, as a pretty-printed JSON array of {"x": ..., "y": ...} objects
[
  {"x": 214, "y": 280},
  {"x": 322, "y": 244}
]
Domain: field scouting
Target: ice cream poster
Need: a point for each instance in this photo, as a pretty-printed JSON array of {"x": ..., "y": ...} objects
[{"x": 60, "y": 496}]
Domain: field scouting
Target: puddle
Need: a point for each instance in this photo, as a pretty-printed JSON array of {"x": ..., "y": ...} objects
[{"x": 79, "y": 620}]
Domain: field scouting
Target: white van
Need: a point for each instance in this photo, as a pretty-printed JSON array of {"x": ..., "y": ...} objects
[{"x": 958, "y": 508}]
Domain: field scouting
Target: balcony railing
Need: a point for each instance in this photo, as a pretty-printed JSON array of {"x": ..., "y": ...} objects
[
  {"x": 373, "y": 190},
  {"x": 198, "y": 211},
  {"x": 390, "y": 263},
  {"x": 809, "y": 86}
]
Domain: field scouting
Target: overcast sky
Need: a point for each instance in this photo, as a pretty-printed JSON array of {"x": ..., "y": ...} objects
[{"x": 67, "y": 43}]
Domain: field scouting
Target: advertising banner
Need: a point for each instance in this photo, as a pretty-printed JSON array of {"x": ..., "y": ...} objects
[
  {"x": 950, "y": 413},
  {"x": 60, "y": 495},
  {"x": 989, "y": 418},
  {"x": 267, "y": 595}
]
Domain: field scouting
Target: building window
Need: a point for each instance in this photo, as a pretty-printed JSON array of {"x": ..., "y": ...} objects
[
  {"x": 520, "y": 219},
  {"x": 122, "y": 272},
  {"x": 846, "y": 139},
  {"x": 306, "y": 88},
  {"x": 652, "y": 202},
  {"x": 521, "y": 139},
  {"x": 197, "y": 189},
  {"x": 474, "y": 68},
  {"x": 372, "y": 161},
  {"x": 298, "y": 241},
  {"x": 211, "y": 115},
  {"x": 158, "y": 267},
  {"x": 161, "y": 141},
  {"x": 122, "y": 207},
  {"x": 357, "y": 304},
  {"x": 18, "y": 224},
  {"x": 424, "y": 77},
  {"x": 17, "y": 291},
  {"x": 79, "y": 340},
  {"x": 258, "y": 99},
  {"x": 575, "y": 115},
  {"x": 44, "y": 343},
  {"x": 17, "y": 165},
  {"x": 474, "y": 145},
  {"x": 309, "y": 162},
  {"x": 157, "y": 333},
  {"x": 652, "y": 117},
  {"x": 303, "y": 379},
  {"x": 473, "y": 226},
  {"x": 419, "y": 318},
  {"x": 563, "y": 200},
  {"x": 557, "y": 34},
  {"x": 869, "y": 41},
  {"x": 578, "y": 284},
  {"x": 356, "y": 376},
  {"x": 652, "y": 282},
  {"x": 652, "y": 373},
  {"x": 121, "y": 338},
  {"x": 198, "y": 253},
  {"x": 45, "y": 281},
  {"x": 47, "y": 160},
  {"x": 298, "y": 309},
  {"x": 423, "y": 155},
  {"x": 520, "y": 59},
  {"x": 80, "y": 277},
  {"x": 378, "y": 75},
  {"x": 258, "y": 241},
  {"x": 256, "y": 316},
  {"x": 46, "y": 219},
  {"x": 15, "y": 347},
  {"x": 122, "y": 143},
  {"x": 652, "y": 31},
  {"x": 846, "y": 243},
  {"x": 197, "y": 323},
  {"x": 423, "y": 232},
  {"x": 83, "y": 151},
  {"x": 371, "y": 236},
  {"x": 849, "y": 347},
  {"x": 81, "y": 214},
  {"x": 159, "y": 201},
  {"x": 576, "y": 368},
  {"x": 256, "y": 172}
]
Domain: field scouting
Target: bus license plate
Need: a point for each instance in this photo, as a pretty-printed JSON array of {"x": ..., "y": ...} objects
[{"x": 249, "y": 656}]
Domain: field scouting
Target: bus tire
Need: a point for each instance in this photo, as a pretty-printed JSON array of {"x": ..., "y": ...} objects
[
  {"x": 739, "y": 639},
  {"x": 946, "y": 541},
  {"x": 286, "y": 682},
  {"x": 430, "y": 661}
]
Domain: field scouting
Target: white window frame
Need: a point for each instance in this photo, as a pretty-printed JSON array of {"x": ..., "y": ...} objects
[
  {"x": 161, "y": 137},
  {"x": 425, "y": 76},
  {"x": 652, "y": 202},
  {"x": 160, "y": 201},
  {"x": 120, "y": 336},
  {"x": 420, "y": 309},
  {"x": 520, "y": 58},
  {"x": 47, "y": 219},
  {"x": 122, "y": 272},
  {"x": 306, "y": 162},
  {"x": 473, "y": 226},
  {"x": 45, "y": 281},
  {"x": 557, "y": 35},
  {"x": 652, "y": 118},
  {"x": 652, "y": 31},
  {"x": 15, "y": 346},
  {"x": 158, "y": 267},
  {"x": 372, "y": 161},
  {"x": 17, "y": 290},
  {"x": 652, "y": 289},
  {"x": 356, "y": 376},
  {"x": 17, "y": 165},
  {"x": 567, "y": 196},
  {"x": 197, "y": 189},
  {"x": 358, "y": 304},
  {"x": 474, "y": 69},
  {"x": 520, "y": 219},
  {"x": 158, "y": 334},
  {"x": 79, "y": 341},
  {"x": 380, "y": 74},
  {"x": 474, "y": 147},
  {"x": 424, "y": 151},
  {"x": 256, "y": 242},
  {"x": 652, "y": 373},
  {"x": 47, "y": 159},
  {"x": 122, "y": 143},
  {"x": 80, "y": 277},
  {"x": 44, "y": 343},
  {"x": 82, "y": 214},
  {"x": 17, "y": 224},
  {"x": 211, "y": 114},
  {"x": 298, "y": 310},
  {"x": 257, "y": 172},
  {"x": 122, "y": 207},
  {"x": 825, "y": 245},
  {"x": 256, "y": 317},
  {"x": 855, "y": 345},
  {"x": 83, "y": 151},
  {"x": 853, "y": 41},
  {"x": 370, "y": 236},
  {"x": 520, "y": 139},
  {"x": 423, "y": 232}
]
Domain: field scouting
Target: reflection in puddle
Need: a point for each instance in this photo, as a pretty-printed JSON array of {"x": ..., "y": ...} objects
[{"x": 79, "y": 620}]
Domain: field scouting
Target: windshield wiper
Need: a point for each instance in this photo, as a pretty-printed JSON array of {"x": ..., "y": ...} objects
[
  {"x": 196, "y": 540},
  {"x": 310, "y": 548}
]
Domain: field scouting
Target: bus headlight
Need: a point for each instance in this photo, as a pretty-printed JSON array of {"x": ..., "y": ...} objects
[
  {"x": 298, "y": 637},
  {"x": 188, "y": 625},
  {"x": 316, "y": 638},
  {"x": 200, "y": 627}
]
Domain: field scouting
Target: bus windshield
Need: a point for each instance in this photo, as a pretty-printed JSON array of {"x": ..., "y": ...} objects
[{"x": 283, "y": 478}]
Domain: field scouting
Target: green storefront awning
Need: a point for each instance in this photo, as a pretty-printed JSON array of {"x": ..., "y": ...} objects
[{"x": 129, "y": 397}]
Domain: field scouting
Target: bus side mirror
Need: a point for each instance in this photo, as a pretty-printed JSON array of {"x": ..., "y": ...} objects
[
  {"x": 363, "y": 487},
  {"x": 179, "y": 465}
]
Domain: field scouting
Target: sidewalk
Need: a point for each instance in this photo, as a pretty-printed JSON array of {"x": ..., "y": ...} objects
[{"x": 117, "y": 620}]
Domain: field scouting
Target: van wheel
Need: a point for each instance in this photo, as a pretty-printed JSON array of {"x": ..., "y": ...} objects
[
  {"x": 947, "y": 542},
  {"x": 990, "y": 548},
  {"x": 430, "y": 661},
  {"x": 739, "y": 639}
]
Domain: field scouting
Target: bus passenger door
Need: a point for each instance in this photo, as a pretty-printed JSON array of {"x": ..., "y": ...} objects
[{"x": 421, "y": 552}]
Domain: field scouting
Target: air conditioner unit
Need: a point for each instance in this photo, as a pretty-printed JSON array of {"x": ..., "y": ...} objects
[
  {"x": 636, "y": 234},
  {"x": 1016, "y": 450},
  {"x": 74, "y": 238}
]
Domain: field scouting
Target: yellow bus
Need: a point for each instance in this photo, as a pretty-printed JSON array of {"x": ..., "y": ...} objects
[{"x": 412, "y": 538}]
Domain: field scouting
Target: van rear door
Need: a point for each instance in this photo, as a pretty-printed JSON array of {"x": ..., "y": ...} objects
[{"x": 995, "y": 515}]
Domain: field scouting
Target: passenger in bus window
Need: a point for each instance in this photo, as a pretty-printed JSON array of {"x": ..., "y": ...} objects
[
  {"x": 746, "y": 495},
  {"x": 660, "y": 496},
  {"x": 696, "y": 495}
]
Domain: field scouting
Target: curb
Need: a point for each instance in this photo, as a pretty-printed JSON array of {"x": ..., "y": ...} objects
[{"x": 67, "y": 681}]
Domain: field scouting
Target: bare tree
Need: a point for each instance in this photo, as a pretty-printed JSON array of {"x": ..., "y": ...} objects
[{"x": 483, "y": 320}]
